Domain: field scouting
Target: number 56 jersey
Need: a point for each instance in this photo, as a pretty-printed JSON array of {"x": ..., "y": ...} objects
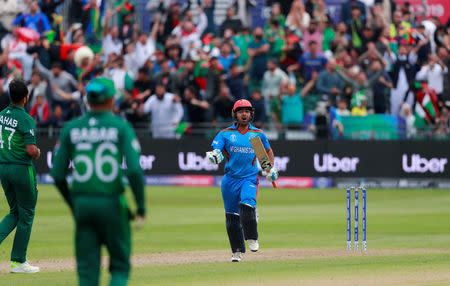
[
  {"x": 97, "y": 144},
  {"x": 17, "y": 130}
]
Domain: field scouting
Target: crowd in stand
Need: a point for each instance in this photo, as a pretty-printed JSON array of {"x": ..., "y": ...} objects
[{"x": 302, "y": 67}]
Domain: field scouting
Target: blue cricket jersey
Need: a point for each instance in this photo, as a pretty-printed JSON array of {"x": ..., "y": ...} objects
[{"x": 237, "y": 150}]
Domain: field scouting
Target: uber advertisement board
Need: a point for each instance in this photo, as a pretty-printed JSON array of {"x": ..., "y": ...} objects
[{"x": 376, "y": 159}]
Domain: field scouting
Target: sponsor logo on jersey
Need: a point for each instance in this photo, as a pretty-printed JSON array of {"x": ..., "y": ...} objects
[{"x": 233, "y": 138}]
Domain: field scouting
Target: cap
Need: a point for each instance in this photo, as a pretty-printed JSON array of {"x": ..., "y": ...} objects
[{"x": 100, "y": 89}]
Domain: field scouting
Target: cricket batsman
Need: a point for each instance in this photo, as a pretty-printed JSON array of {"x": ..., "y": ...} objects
[
  {"x": 240, "y": 183},
  {"x": 17, "y": 174},
  {"x": 97, "y": 143}
]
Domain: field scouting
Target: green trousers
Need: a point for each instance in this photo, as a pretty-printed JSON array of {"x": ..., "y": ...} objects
[
  {"x": 102, "y": 220},
  {"x": 19, "y": 185}
]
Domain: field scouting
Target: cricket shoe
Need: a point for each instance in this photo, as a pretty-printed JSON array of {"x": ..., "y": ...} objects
[
  {"x": 17, "y": 267},
  {"x": 253, "y": 244},
  {"x": 236, "y": 256}
]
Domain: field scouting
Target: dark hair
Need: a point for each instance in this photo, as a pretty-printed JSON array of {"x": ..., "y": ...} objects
[
  {"x": 143, "y": 70},
  {"x": 57, "y": 65},
  {"x": 17, "y": 90}
]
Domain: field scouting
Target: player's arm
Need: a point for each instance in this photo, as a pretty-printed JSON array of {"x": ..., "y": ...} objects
[
  {"x": 60, "y": 166},
  {"x": 215, "y": 156},
  {"x": 272, "y": 174},
  {"x": 270, "y": 155},
  {"x": 30, "y": 139},
  {"x": 33, "y": 151},
  {"x": 134, "y": 172}
]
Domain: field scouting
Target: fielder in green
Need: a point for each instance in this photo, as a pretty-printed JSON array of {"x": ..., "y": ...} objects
[
  {"x": 17, "y": 174},
  {"x": 97, "y": 143}
]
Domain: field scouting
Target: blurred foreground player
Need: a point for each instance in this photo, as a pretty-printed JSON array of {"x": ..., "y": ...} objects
[
  {"x": 97, "y": 143},
  {"x": 17, "y": 174},
  {"x": 240, "y": 183}
]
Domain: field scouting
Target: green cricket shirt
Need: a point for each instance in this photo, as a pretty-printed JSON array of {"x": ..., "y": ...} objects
[
  {"x": 97, "y": 143},
  {"x": 17, "y": 130}
]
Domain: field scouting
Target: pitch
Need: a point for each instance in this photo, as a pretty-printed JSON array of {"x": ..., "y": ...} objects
[{"x": 302, "y": 238}]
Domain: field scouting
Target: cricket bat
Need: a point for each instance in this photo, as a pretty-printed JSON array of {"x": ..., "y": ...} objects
[{"x": 262, "y": 156}]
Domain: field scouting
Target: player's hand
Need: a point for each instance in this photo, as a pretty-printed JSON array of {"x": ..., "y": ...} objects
[
  {"x": 271, "y": 175},
  {"x": 140, "y": 221},
  {"x": 214, "y": 156}
]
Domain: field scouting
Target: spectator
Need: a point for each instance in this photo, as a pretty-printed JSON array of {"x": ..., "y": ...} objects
[
  {"x": 242, "y": 8},
  {"x": 213, "y": 79},
  {"x": 14, "y": 49},
  {"x": 356, "y": 28},
  {"x": 40, "y": 111},
  {"x": 167, "y": 77},
  {"x": 329, "y": 83},
  {"x": 118, "y": 74},
  {"x": 314, "y": 33},
  {"x": 258, "y": 50},
  {"x": 144, "y": 85},
  {"x": 128, "y": 109},
  {"x": 92, "y": 25},
  {"x": 34, "y": 19},
  {"x": 186, "y": 76},
  {"x": 189, "y": 35},
  {"x": 131, "y": 60},
  {"x": 272, "y": 79},
  {"x": 222, "y": 105},
  {"x": 443, "y": 54},
  {"x": 259, "y": 104},
  {"x": 48, "y": 7},
  {"x": 61, "y": 79},
  {"x": 43, "y": 49},
  {"x": 77, "y": 99},
  {"x": 275, "y": 15},
  {"x": 381, "y": 89},
  {"x": 8, "y": 12},
  {"x": 398, "y": 26},
  {"x": 56, "y": 119},
  {"x": 166, "y": 111},
  {"x": 346, "y": 11},
  {"x": 37, "y": 87},
  {"x": 292, "y": 106},
  {"x": 111, "y": 42},
  {"x": 235, "y": 82},
  {"x": 231, "y": 22},
  {"x": 227, "y": 57},
  {"x": 312, "y": 61},
  {"x": 406, "y": 114},
  {"x": 209, "y": 7},
  {"x": 434, "y": 72},
  {"x": 342, "y": 108},
  {"x": 146, "y": 46},
  {"x": 362, "y": 88},
  {"x": 196, "y": 107},
  {"x": 403, "y": 71}
]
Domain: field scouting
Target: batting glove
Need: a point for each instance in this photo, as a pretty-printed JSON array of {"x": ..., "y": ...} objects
[
  {"x": 214, "y": 156},
  {"x": 271, "y": 175}
]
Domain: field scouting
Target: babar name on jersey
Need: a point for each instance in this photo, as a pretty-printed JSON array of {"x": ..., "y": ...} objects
[
  {"x": 94, "y": 134},
  {"x": 8, "y": 121}
]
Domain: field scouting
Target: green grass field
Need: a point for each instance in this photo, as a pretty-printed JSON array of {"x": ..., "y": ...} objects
[{"x": 408, "y": 239}]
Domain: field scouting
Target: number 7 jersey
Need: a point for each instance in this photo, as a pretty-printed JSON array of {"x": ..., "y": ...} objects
[
  {"x": 17, "y": 130},
  {"x": 97, "y": 144}
]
